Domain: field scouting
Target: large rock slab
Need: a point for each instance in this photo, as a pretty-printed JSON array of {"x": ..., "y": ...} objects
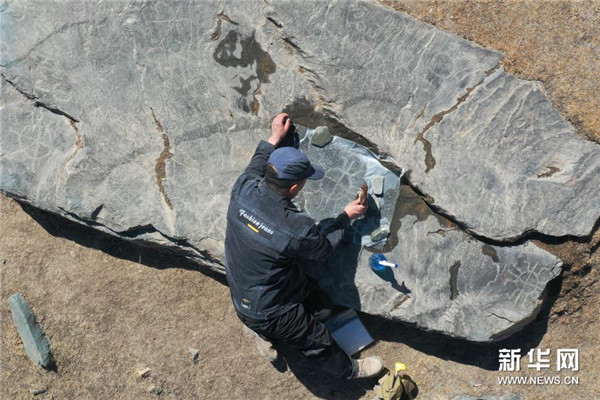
[
  {"x": 471, "y": 136},
  {"x": 136, "y": 118}
]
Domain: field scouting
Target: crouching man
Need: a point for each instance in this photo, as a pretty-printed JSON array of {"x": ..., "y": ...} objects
[{"x": 268, "y": 240}]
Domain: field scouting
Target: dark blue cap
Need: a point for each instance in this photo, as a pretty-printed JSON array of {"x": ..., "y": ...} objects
[{"x": 292, "y": 164}]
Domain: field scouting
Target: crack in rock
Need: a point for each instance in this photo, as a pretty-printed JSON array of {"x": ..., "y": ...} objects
[
  {"x": 501, "y": 317},
  {"x": 36, "y": 102},
  {"x": 521, "y": 239},
  {"x": 161, "y": 161},
  {"x": 437, "y": 118},
  {"x": 62, "y": 29}
]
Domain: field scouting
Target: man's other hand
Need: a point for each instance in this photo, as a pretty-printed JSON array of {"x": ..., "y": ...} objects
[
  {"x": 354, "y": 209},
  {"x": 279, "y": 128}
]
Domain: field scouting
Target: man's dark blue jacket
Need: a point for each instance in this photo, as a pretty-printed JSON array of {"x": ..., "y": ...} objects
[{"x": 267, "y": 241}]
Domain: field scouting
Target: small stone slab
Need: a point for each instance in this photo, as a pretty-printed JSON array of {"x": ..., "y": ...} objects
[
  {"x": 380, "y": 233},
  {"x": 377, "y": 185},
  {"x": 37, "y": 345},
  {"x": 321, "y": 137},
  {"x": 37, "y": 391}
]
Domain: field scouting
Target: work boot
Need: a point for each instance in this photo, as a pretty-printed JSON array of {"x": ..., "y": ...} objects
[
  {"x": 369, "y": 367},
  {"x": 265, "y": 347}
]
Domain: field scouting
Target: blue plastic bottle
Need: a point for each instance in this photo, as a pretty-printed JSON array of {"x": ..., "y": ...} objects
[{"x": 374, "y": 262}]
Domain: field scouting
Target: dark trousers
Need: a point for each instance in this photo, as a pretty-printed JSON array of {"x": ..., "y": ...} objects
[{"x": 303, "y": 328}]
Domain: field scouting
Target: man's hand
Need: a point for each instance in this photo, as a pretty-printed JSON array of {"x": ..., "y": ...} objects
[
  {"x": 279, "y": 128},
  {"x": 355, "y": 209}
]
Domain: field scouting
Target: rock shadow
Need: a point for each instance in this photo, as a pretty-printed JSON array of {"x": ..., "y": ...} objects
[{"x": 141, "y": 253}]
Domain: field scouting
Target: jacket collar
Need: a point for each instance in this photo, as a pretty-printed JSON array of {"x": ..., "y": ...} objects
[{"x": 272, "y": 195}]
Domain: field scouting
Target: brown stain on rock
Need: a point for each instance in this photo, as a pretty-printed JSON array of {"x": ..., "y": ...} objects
[
  {"x": 220, "y": 18},
  {"x": 78, "y": 145},
  {"x": 411, "y": 203},
  {"x": 161, "y": 161},
  {"x": 551, "y": 171},
  {"x": 429, "y": 159},
  {"x": 79, "y": 141},
  {"x": 491, "y": 252},
  {"x": 217, "y": 32}
]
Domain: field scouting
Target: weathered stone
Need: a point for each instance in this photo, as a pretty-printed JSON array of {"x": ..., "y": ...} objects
[
  {"x": 179, "y": 129},
  {"x": 37, "y": 345},
  {"x": 144, "y": 373},
  {"x": 119, "y": 118},
  {"x": 377, "y": 185},
  {"x": 321, "y": 137},
  {"x": 521, "y": 166},
  {"x": 157, "y": 390},
  {"x": 194, "y": 353}
]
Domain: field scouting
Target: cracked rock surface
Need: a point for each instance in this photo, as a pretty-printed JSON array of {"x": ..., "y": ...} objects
[
  {"x": 470, "y": 136},
  {"x": 136, "y": 118}
]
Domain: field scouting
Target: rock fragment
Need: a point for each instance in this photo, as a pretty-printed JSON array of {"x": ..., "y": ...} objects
[
  {"x": 144, "y": 373},
  {"x": 321, "y": 137},
  {"x": 194, "y": 353},
  {"x": 377, "y": 185},
  {"x": 380, "y": 233},
  {"x": 157, "y": 390},
  {"x": 37, "y": 391},
  {"x": 37, "y": 345}
]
